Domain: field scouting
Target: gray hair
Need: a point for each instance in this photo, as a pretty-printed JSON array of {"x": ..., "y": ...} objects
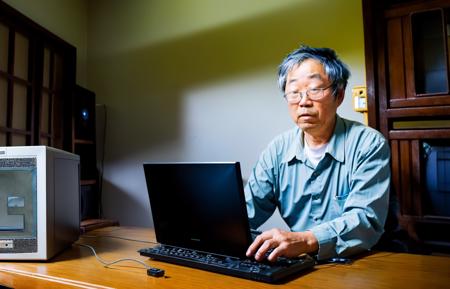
[{"x": 335, "y": 69}]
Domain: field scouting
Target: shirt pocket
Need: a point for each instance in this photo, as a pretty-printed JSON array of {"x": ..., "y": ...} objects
[
  {"x": 342, "y": 191},
  {"x": 340, "y": 199}
]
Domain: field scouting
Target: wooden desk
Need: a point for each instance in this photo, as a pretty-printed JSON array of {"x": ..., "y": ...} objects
[{"x": 78, "y": 268}]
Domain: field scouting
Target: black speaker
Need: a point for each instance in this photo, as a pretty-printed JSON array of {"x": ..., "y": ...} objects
[
  {"x": 88, "y": 163},
  {"x": 90, "y": 202},
  {"x": 84, "y": 132},
  {"x": 84, "y": 114}
]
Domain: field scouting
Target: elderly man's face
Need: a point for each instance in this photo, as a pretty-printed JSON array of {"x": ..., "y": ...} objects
[{"x": 313, "y": 117}]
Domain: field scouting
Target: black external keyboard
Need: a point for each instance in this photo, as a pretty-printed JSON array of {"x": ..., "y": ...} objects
[{"x": 271, "y": 272}]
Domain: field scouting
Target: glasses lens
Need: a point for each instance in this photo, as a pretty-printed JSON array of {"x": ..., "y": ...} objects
[
  {"x": 315, "y": 93},
  {"x": 292, "y": 97}
]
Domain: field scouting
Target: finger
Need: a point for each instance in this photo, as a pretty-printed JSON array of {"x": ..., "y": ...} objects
[
  {"x": 254, "y": 246},
  {"x": 276, "y": 252},
  {"x": 263, "y": 249},
  {"x": 259, "y": 240}
]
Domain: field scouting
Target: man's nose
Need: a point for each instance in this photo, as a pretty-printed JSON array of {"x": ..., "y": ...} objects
[{"x": 304, "y": 100}]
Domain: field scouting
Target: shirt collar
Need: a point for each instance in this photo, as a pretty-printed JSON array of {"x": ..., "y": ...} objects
[
  {"x": 336, "y": 147},
  {"x": 295, "y": 149}
]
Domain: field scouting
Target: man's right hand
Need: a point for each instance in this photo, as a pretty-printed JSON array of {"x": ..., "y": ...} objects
[{"x": 282, "y": 243}]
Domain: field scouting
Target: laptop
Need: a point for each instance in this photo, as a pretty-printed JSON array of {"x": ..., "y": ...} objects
[{"x": 200, "y": 220}]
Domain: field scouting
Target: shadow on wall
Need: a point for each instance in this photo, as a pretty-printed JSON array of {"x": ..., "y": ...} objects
[
  {"x": 132, "y": 211},
  {"x": 145, "y": 108}
]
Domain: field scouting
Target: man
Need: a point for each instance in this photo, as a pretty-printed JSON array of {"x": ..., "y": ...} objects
[{"x": 329, "y": 176}]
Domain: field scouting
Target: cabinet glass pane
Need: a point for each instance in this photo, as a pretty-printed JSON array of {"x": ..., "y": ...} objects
[
  {"x": 58, "y": 73},
  {"x": 18, "y": 140},
  {"x": 21, "y": 56},
  {"x": 430, "y": 61},
  {"x": 4, "y": 32},
  {"x": 3, "y": 101},
  {"x": 19, "y": 117},
  {"x": 2, "y": 139},
  {"x": 44, "y": 141},
  {"x": 46, "y": 72},
  {"x": 45, "y": 109}
]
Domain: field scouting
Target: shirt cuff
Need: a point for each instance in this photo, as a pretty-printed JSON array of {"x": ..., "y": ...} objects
[{"x": 326, "y": 242}]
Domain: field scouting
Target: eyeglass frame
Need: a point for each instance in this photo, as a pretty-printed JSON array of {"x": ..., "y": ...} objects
[{"x": 302, "y": 94}]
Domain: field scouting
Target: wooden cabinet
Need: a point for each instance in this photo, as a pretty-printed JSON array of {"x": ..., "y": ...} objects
[
  {"x": 407, "y": 47},
  {"x": 37, "y": 77},
  {"x": 39, "y": 101}
]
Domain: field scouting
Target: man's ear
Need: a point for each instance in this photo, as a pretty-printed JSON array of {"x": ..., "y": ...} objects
[{"x": 340, "y": 96}]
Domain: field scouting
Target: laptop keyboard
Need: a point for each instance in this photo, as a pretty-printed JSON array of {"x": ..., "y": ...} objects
[{"x": 266, "y": 271}]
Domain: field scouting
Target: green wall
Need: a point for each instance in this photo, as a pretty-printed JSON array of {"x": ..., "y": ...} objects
[
  {"x": 192, "y": 80},
  {"x": 196, "y": 80}
]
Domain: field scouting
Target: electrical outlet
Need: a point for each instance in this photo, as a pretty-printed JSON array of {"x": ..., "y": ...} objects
[{"x": 359, "y": 94}]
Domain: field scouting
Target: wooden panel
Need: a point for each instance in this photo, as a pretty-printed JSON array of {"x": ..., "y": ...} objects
[
  {"x": 4, "y": 43},
  {"x": 395, "y": 59},
  {"x": 416, "y": 187},
  {"x": 382, "y": 90},
  {"x": 2, "y": 138},
  {"x": 421, "y": 101},
  {"x": 371, "y": 62},
  {"x": 407, "y": 207},
  {"x": 395, "y": 164},
  {"x": 407, "y": 8},
  {"x": 46, "y": 69},
  {"x": 3, "y": 101},
  {"x": 418, "y": 112},
  {"x": 45, "y": 117},
  {"x": 420, "y": 134}
]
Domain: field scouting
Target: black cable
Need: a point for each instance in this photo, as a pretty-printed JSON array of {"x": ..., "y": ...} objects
[
  {"x": 102, "y": 163},
  {"x": 151, "y": 271}
]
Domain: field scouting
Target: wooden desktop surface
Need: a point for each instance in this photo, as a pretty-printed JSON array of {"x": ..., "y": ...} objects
[{"x": 78, "y": 268}]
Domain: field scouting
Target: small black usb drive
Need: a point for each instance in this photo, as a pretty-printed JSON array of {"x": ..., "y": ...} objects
[{"x": 155, "y": 272}]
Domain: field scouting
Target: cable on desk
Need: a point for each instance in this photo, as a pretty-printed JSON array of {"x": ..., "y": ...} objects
[
  {"x": 150, "y": 270},
  {"x": 107, "y": 264}
]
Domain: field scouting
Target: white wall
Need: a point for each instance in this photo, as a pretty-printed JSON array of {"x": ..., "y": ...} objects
[{"x": 196, "y": 81}]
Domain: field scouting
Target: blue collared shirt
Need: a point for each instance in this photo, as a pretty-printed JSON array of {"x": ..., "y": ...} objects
[{"x": 343, "y": 201}]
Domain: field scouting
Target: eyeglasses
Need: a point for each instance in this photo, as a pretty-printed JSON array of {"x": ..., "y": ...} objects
[{"x": 313, "y": 94}]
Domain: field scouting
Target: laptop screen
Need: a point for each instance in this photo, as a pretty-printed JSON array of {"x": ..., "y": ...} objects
[{"x": 199, "y": 206}]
